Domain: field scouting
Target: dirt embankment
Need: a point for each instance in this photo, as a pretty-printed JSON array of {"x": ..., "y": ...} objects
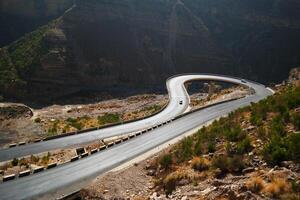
[{"x": 20, "y": 123}]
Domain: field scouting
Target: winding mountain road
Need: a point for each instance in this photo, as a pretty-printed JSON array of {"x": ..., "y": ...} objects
[{"x": 71, "y": 174}]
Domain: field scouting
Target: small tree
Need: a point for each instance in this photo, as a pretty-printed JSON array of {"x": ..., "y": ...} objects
[
  {"x": 166, "y": 161},
  {"x": 37, "y": 120},
  {"x": 15, "y": 162}
]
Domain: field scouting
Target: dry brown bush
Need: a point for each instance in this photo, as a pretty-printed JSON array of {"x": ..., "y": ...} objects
[
  {"x": 277, "y": 187},
  {"x": 255, "y": 184},
  {"x": 200, "y": 164}
]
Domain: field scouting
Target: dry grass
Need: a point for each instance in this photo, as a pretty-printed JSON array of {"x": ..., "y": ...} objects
[
  {"x": 200, "y": 164},
  {"x": 277, "y": 187},
  {"x": 290, "y": 197},
  {"x": 172, "y": 179},
  {"x": 140, "y": 198},
  {"x": 255, "y": 184}
]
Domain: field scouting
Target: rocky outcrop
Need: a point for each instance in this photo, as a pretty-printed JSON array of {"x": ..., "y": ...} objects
[{"x": 294, "y": 77}]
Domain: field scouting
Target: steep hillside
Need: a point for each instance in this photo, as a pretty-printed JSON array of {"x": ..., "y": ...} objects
[
  {"x": 22, "y": 16},
  {"x": 251, "y": 154},
  {"x": 119, "y": 44}
]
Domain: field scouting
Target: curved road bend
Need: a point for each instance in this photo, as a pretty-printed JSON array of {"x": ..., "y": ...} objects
[
  {"x": 177, "y": 92},
  {"x": 71, "y": 174}
]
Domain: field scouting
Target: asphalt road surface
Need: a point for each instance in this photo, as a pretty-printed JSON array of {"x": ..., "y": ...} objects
[{"x": 69, "y": 174}]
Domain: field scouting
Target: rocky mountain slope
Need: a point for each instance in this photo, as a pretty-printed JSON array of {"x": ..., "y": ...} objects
[
  {"x": 114, "y": 45},
  {"x": 18, "y": 17}
]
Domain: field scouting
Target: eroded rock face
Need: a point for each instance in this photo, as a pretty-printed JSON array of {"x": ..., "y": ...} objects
[
  {"x": 18, "y": 17},
  {"x": 139, "y": 43}
]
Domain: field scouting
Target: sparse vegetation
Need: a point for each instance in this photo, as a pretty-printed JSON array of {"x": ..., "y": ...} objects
[
  {"x": 200, "y": 164},
  {"x": 244, "y": 146},
  {"x": 15, "y": 162},
  {"x": 270, "y": 118},
  {"x": 109, "y": 118},
  {"x": 277, "y": 187},
  {"x": 22, "y": 58},
  {"x": 166, "y": 161},
  {"x": 172, "y": 179},
  {"x": 296, "y": 121},
  {"x": 152, "y": 109},
  {"x": 37, "y": 120},
  {"x": 282, "y": 148},
  {"x": 228, "y": 164},
  {"x": 75, "y": 123}
]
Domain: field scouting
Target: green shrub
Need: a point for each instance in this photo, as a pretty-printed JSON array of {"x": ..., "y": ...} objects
[
  {"x": 186, "y": 148},
  {"x": 211, "y": 148},
  {"x": 283, "y": 148},
  {"x": 37, "y": 120},
  {"x": 294, "y": 146},
  {"x": 228, "y": 164},
  {"x": 166, "y": 161},
  {"x": 109, "y": 118},
  {"x": 220, "y": 162},
  {"x": 52, "y": 131},
  {"x": 244, "y": 146},
  {"x": 277, "y": 126},
  {"x": 259, "y": 112},
  {"x": 197, "y": 149},
  {"x": 46, "y": 158},
  {"x": 15, "y": 162},
  {"x": 34, "y": 159},
  {"x": 78, "y": 125},
  {"x": 261, "y": 132},
  {"x": 235, "y": 163},
  {"x": 71, "y": 120},
  {"x": 234, "y": 133},
  {"x": 275, "y": 151},
  {"x": 296, "y": 121},
  {"x": 75, "y": 123},
  {"x": 229, "y": 149},
  {"x": 256, "y": 119}
]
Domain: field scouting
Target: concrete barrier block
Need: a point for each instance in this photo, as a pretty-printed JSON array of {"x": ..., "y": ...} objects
[
  {"x": 102, "y": 148},
  {"x": 139, "y": 133},
  {"x": 37, "y": 140},
  {"x": 9, "y": 177},
  {"x": 84, "y": 155},
  {"x": 74, "y": 158},
  {"x": 39, "y": 169},
  {"x": 118, "y": 141},
  {"x": 110, "y": 144},
  {"x": 125, "y": 139},
  {"x": 12, "y": 145},
  {"x": 22, "y": 143},
  {"x": 24, "y": 173},
  {"x": 131, "y": 136},
  {"x": 52, "y": 165},
  {"x": 94, "y": 151}
]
